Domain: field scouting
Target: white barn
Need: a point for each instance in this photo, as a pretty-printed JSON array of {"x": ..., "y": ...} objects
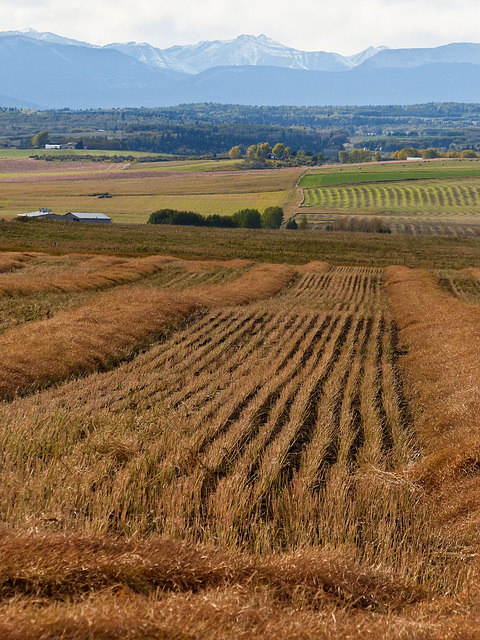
[{"x": 41, "y": 214}]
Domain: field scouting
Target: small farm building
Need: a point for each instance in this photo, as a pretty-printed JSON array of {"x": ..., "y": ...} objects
[
  {"x": 98, "y": 218},
  {"x": 42, "y": 214}
]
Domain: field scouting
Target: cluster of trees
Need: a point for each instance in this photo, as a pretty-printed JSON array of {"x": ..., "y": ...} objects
[
  {"x": 426, "y": 154},
  {"x": 262, "y": 155},
  {"x": 271, "y": 218},
  {"x": 359, "y": 223},
  {"x": 358, "y": 155}
]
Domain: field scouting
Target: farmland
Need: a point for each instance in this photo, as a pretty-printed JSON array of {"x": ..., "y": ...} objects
[
  {"x": 431, "y": 198},
  {"x": 427, "y": 198},
  {"x": 237, "y": 449},
  {"x": 139, "y": 189},
  {"x": 239, "y": 433}
]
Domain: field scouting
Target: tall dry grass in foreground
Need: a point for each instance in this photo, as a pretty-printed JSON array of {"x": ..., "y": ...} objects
[
  {"x": 107, "y": 272},
  {"x": 442, "y": 371},
  {"x": 112, "y": 326},
  {"x": 11, "y": 260},
  {"x": 249, "y": 475},
  {"x": 276, "y": 426},
  {"x": 68, "y": 586}
]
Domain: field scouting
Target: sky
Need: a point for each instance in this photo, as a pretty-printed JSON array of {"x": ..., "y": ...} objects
[{"x": 342, "y": 26}]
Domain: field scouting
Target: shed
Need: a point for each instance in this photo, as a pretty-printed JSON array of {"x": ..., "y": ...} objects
[
  {"x": 41, "y": 214},
  {"x": 96, "y": 218}
]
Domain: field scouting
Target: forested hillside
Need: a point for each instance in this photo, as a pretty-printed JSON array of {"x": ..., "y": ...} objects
[{"x": 208, "y": 128}]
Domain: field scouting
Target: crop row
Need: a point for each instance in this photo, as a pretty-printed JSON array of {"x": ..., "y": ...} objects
[
  {"x": 245, "y": 425},
  {"x": 379, "y": 197},
  {"x": 426, "y": 227}
]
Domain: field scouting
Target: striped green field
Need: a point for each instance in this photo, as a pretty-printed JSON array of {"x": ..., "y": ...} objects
[
  {"x": 461, "y": 196},
  {"x": 434, "y": 198}
]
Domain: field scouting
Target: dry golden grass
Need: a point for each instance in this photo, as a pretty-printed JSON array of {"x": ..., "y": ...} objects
[
  {"x": 96, "y": 273},
  {"x": 255, "y": 472},
  {"x": 11, "y": 260},
  {"x": 68, "y": 586},
  {"x": 473, "y": 272},
  {"x": 314, "y": 267},
  {"x": 68, "y": 567},
  {"x": 226, "y": 614},
  {"x": 442, "y": 335},
  {"x": 266, "y": 427},
  {"x": 113, "y": 325}
]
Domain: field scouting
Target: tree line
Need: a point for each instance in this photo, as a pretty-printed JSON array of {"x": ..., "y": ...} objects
[
  {"x": 271, "y": 218},
  {"x": 260, "y": 155},
  {"x": 208, "y": 128}
]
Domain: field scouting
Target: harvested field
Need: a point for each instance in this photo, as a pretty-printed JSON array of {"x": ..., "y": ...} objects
[
  {"x": 29, "y": 166},
  {"x": 138, "y": 191},
  {"x": 240, "y": 450},
  {"x": 111, "y": 326},
  {"x": 81, "y": 275},
  {"x": 12, "y": 260}
]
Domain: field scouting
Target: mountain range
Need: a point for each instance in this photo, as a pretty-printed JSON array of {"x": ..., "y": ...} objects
[{"x": 45, "y": 70}]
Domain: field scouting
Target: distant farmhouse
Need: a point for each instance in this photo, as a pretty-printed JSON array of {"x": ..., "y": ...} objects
[
  {"x": 46, "y": 214},
  {"x": 67, "y": 145}
]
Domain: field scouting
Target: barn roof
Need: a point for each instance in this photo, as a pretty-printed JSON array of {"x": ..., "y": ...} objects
[
  {"x": 33, "y": 214},
  {"x": 89, "y": 216}
]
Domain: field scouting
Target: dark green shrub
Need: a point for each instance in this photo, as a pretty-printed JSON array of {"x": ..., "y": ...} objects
[
  {"x": 248, "y": 219},
  {"x": 272, "y": 218},
  {"x": 216, "y": 220},
  {"x": 172, "y": 216}
]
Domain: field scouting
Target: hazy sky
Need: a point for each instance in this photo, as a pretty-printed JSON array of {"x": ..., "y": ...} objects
[{"x": 343, "y": 26}]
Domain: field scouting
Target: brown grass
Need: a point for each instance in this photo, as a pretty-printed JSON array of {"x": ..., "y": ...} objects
[
  {"x": 226, "y": 614},
  {"x": 68, "y": 567},
  {"x": 473, "y": 272},
  {"x": 77, "y": 587},
  {"x": 32, "y": 166},
  {"x": 314, "y": 267},
  {"x": 274, "y": 426},
  {"x": 442, "y": 335},
  {"x": 275, "y": 433},
  {"x": 107, "y": 272},
  {"x": 12, "y": 260},
  {"x": 112, "y": 326}
]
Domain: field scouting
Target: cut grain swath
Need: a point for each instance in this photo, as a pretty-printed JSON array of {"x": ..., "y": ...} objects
[
  {"x": 122, "y": 272},
  {"x": 113, "y": 325},
  {"x": 10, "y": 261},
  {"x": 256, "y": 426},
  {"x": 443, "y": 334}
]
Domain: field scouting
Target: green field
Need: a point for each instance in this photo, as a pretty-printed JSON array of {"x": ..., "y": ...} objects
[
  {"x": 439, "y": 198},
  {"x": 387, "y": 172},
  {"x": 446, "y": 197}
]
